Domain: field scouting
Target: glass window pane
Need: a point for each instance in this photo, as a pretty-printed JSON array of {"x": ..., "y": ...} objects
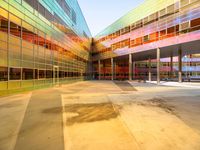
[
  {"x": 3, "y": 24},
  {"x": 15, "y": 73},
  {"x": 184, "y": 2},
  {"x": 49, "y": 74},
  {"x": 41, "y": 74},
  {"x": 146, "y": 38},
  {"x": 27, "y": 74},
  {"x": 41, "y": 41},
  {"x": 195, "y": 22},
  {"x": 36, "y": 74},
  {"x": 15, "y": 29},
  {"x": 27, "y": 32},
  {"x": 3, "y": 73},
  {"x": 170, "y": 30}
]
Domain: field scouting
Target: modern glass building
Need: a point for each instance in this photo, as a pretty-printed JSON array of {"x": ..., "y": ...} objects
[
  {"x": 160, "y": 39},
  {"x": 47, "y": 42},
  {"x": 42, "y": 42}
]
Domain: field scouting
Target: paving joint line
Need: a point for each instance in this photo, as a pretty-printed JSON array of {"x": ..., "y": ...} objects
[{"x": 124, "y": 124}]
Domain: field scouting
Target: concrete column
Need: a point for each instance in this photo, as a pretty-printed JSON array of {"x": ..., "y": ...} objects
[
  {"x": 112, "y": 69},
  {"x": 149, "y": 69},
  {"x": 190, "y": 62},
  {"x": 158, "y": 66},
  {"x": 103, "y": 70},
  {"x": 130, "y": 66},
  {"x": 99, "y": 65},
  {"x": 171, "y": 66},
  {"x": 133, "y": 70},
  {"x": 180, "y": 65}
]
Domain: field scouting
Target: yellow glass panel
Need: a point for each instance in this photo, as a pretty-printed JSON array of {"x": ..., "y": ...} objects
[
  {"x": 27, "y": 45},
  {"x": 27, "y": 26},
  {"x": 40, "y": 33},
  {"x": 15, "y": 51},
  {"x": 14, "y": 84},
  {"x": 27, "y": 83},
  {"x": 14, "y": 62},
  {"x": 3, "y": 54},
  {"x": 14, "y": 40},
  {"x": 3, "y": 13},
  {"x": 3, "y": 36},
  {"x": 15, "y": 19},
  {"x": 3, "y": 45},
  {"x": 3, "y": 86}
]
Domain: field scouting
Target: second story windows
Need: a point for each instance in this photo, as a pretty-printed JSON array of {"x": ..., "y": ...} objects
[
  {"x": 171, "y": 21},
  {"x": 125, "y": 30},
  {"x": 3, "y": 24},
  {"x": 73, "y": 16},
  {"x": 64, "y": 6},
  {"x": 146, "y": 38},
  {"x": 184, "y": 27},
  {"x": 195, "y": 24},
  {"x": 184, "y": 2}
]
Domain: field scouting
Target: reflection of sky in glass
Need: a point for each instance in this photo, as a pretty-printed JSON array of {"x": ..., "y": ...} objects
[
  {"x": 177, "y": 20},
  {"x": 101, "y": 13}
]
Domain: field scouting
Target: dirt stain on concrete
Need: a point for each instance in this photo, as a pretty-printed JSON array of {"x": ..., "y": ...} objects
[
  {"x": 159, "y": 102},
  {"x": 91, "y": 112},
  {"x": 86, "y": 112}
]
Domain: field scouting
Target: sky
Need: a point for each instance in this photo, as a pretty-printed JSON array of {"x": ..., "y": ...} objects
[{"x": 101, "y": 13}]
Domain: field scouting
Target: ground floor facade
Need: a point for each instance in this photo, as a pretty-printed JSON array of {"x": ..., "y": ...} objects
[
  {"x": 38, "y": 48},
  {"x": 125, "y": 68}
]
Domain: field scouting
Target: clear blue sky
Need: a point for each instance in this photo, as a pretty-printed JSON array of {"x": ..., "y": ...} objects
[{"x": 101, "y": 13}]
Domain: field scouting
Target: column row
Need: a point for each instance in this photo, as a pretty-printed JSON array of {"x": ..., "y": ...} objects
[{"x": 131, "y": 67}]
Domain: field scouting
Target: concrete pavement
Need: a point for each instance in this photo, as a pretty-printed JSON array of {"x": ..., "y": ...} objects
[
  {"x": 102, "y": 115},
  {"x": 177, "y": 84}
]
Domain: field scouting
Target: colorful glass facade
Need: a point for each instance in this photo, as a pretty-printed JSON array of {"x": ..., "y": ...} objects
[
  {"x": 46, "y": 42},
  {"x": 42, "y": 42},
  {"x": 169, "y": 25}
]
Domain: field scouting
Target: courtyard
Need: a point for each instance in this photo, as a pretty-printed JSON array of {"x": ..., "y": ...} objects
[{"x": 102, "y": 115}]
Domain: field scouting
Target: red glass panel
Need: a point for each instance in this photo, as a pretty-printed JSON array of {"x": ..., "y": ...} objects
[
  {"x": 15, "y": 29},
  {"x": 3, "y": 24},
  {"x": 28, "y": 35}
]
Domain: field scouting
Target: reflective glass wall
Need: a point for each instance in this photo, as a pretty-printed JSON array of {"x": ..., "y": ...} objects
[
  {"x": 42, "y": 42},
  {"x": 154, "y": 24}
]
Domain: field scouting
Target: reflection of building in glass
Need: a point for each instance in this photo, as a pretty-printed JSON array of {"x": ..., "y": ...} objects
[
  {"x": 157, "y": 40},
  {"x": 41, "y": 43}
]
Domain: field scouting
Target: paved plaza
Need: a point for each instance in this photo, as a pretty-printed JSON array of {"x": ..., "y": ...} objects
[{"x": 102, "y": 115}]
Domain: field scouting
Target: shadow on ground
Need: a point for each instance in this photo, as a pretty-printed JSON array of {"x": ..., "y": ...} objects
[{"x": 125, "y": 86}]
